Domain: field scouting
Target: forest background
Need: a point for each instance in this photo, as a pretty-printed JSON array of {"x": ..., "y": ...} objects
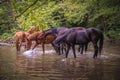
[{"x": 16, "y": 15}]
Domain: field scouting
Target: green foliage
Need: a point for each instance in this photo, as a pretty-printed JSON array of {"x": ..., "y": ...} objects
[
  {"x": 5, "y": 35},
  {"x": 114, "y": 34},
  {"x": 20, "y": 14}
]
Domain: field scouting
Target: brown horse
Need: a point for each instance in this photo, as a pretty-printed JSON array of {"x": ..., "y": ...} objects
[
  {"x": 32, "y": 37},
  {"x": 20, "y": 37},
  {"x": 46, "y": 40},
  {"x": 37, "y": 37}
]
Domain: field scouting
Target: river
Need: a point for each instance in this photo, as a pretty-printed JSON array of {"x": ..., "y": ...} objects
[{"x": 34, "y": 65}]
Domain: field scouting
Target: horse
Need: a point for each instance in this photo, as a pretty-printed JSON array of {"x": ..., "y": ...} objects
[
  {"x": 30, "y": 38},
  {"x": 81, "y": 37},
  {"x": 45, "y": 40},
  {"x": 44, "y": 37},
  {"x": 96, "y": 35},
  {"x": 20, "y": 37},
  {"x": 37, "y": 37},
  {"x": 80, "y": 47},
  {"x": 55, "y": 32}
]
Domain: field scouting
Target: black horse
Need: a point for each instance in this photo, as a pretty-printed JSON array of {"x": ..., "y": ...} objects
[
  {"x": 96, "y": 35},
  {"x": 81, "y": 37}
]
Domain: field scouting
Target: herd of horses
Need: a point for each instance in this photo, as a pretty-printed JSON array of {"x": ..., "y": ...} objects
[{"x": 62, "y": 39}]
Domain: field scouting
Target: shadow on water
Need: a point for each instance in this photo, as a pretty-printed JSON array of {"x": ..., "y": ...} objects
[{"x": 34, "y": 65}]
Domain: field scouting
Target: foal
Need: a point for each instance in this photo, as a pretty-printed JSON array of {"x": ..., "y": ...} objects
[{"x": 20, "y": 37}]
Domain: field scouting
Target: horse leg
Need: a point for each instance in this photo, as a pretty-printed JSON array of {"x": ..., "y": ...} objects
[
  {"x": 86, "y": 46},
  {"x": 82, "y": 46},
  {"x": 62, "y": 48},
  {"x": 20, "y": 45},
  {"x": 73, "y": 48},
  {"x": 68, "y": 48},
  {"x": 59, "y": 48},
  {"x": 95, "y": 50},
  {"x": 17, "y": 46},
  {"x": 79, "y": 48},
  {"x": 36, "y": 44}
]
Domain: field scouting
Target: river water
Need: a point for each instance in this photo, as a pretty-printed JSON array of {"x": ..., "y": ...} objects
[{"x": 34, "y": 65}]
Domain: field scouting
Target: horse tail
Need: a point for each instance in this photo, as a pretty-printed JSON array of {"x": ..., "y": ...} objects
[{"x": 101, "y": 42}]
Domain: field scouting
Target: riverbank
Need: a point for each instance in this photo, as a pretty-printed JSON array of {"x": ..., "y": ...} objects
[{"x": 9, "y": 41}]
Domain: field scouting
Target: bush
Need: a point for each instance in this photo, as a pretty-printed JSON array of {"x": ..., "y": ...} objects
[
  {"x": 5, "y": 35},
  {"x": 114, "y": 34}
]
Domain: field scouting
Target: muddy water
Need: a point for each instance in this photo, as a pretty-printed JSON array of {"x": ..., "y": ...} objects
[{"x": 34, "y": 65}]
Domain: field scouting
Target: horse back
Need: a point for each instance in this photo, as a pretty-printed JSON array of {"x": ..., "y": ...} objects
[
  {"x": 78, "y": 36},
  {"x": 71, "y": 36},
  {"x": 94, "y": 33}
]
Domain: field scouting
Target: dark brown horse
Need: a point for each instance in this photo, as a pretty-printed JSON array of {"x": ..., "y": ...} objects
[{"x": 20, "y": 37}]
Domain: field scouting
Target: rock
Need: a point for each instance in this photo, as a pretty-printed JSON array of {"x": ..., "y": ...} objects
[
  {"x": 9, "y": 40},
  {"x": 5, "y": 44}
]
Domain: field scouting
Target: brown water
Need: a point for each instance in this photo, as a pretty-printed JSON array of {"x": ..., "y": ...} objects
[{"x": 33, "y": 65}]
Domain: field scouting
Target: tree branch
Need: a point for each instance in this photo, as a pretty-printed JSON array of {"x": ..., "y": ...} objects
[
  {"x": 26, "y": 9},
  {"x": 7, "y": 22}
]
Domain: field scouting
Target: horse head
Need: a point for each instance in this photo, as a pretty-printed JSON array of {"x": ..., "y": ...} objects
[{"x": 28, "y": 43}]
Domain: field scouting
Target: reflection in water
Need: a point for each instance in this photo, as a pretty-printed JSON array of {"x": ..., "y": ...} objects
[{"x": 51, "y": 66}]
